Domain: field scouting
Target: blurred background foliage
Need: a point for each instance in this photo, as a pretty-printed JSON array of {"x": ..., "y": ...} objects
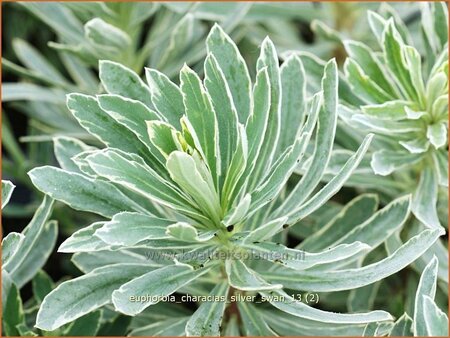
[{"x": 50, "y": 49}]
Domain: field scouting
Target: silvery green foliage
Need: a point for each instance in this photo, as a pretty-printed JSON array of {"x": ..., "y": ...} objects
[
  {"x": 377, "y": 89},
  {"x": 405, "y": 103},
  {"x": 198, "y": 172},
  {"x": 428, "y": 319},
  {"x": 23, "y": 255}
]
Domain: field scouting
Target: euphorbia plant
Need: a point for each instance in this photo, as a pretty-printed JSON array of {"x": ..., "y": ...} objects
[{"x": 198, "y": 172}]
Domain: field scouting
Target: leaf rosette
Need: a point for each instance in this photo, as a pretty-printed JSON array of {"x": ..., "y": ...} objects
[{"x": 192, "y": 188}]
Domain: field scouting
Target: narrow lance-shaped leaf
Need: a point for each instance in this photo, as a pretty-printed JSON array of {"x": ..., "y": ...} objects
[
  {"x": 253, "y": 322},
  {"x": 425, "y": 199},
  {"x": 402, "y": 327},
  {"x": 243, "y": 278},
  {"x": 287, "y": 304},
  {"x": 293, "y": 101},
  {"x": 120, "y": 80},
  {"x": 300, "y": 260},
  {"x": 426, "y": 287},
  {"x": 324, "y": 140},
  {"x": 32, "y": 232},
  {"x": 140, "y": 178},
  {"x": 37, "y": 255},
  {"x": 225, "y": 110},
  {"x": 234, "y": 68},
  {"x": 129, "y": 228},
  {"x": 67, "y": 147},
  {"x": 356, "y": 212},
  {"x": 79, "y": 296},
  {"x": 268, "y": 58},
  {"x": 436, "y": 320},
  {"x": 158, "y": 283},
  {"x": 332, "y": 186},
  {"x": 97, "y": 122},
  {"x": 207, "y": 319},
  {"x": 202, "y": 118},
  {"x": 347, "y": 279},
  {"x": 166, "y": 96},
  {"x": 84, "y": 240},
  {"x": 82, "y": 193},
  {"x": 393, "y": 49},
  {"x": 185, "y": 172}
]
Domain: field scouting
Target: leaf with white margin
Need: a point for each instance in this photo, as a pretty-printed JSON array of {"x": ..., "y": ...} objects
[
  {"x": 234, "y": 68},
  {"x": 300, "y": 260},
  {"x": 10, "y": 244},
  {"x": 256, "y": 124},
  {"x": 207, "y": 319},
  {"x": 101, "y": 33},
  {"x": 164, "y": 137},
  {"x": 437, "y": 134},
  {"x": 135, "y": 175},
  {"x": 166, "y": 96},
  {"x": 238, "y": 212},
  {"x": 368, "y": 61},
  {"x": 381, "y": 225},
  {"x": 285, "y": 303},
  {"x": 130, "y": 228},
  {"x": 391, "y": 110},
  {"x": 171, "y": 327},
  {"x": 280, "y": 173},
  {"x": 288, "y": 325},
  {"x": 88, "y": 261},
  {"x": 37, "y": 255},
  {"x": 243, "y": 278},
  {"x": 100, "y": 124},
  {"x": 268, "y": 59},
  {"x": 385, "y": 127},
  {"x": 66, "y": 148},
  {"x": 426, "y": 287},
  {"x": 356, "y": 212},
  {"x": 293, "y": 100},
  {"x": 332, "y": 186},
  {"x": 266, "y": 231},
  {"x": 326, "y": 281},
  {"x": 402, "y": 327},
  {"x": 385, "y": 161},
  {"x": 235, "y": 179},
  {"x": 416, "y": 146},
  {"x": 425, "y": 198},
  {"x": 120, "y": 80},
  {"x": 436, "y": 320},
  {"x": 157, "y": 284},
  {"x": 32, "y": 232},
  {"x": 7, "y": 190},
  {"x": 441, "y": 164},
  {"x": 80, "y": 192},
  {"x": 79, "y": 296},
  {"x": 227, "y": 118},
  {"x": 325, "y": 132},
  {"x": 296, "y": 151},
  {"x": 253, "y": 322},
  {"x": 362, "y": 85},
  {"x": 185, "y": 172},
  {"x": 132, "y": 115},
  {"x": 37, "y": 64},
  {"x": 392, "y": 44},
  {"x": 186, "y": 232},
  {"x": 84, "y": 240},
  {"x": 202, "y": 118}
]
